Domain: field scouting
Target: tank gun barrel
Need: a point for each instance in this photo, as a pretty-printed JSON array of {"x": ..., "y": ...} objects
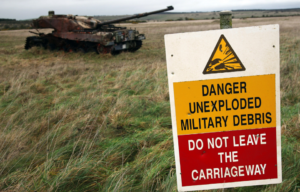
[{"x": 136, "y": 16}]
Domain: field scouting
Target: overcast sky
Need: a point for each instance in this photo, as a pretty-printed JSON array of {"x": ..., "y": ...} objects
[{"x": 27, "y": 9}]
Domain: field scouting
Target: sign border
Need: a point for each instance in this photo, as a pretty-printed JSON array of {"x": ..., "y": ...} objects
[{"x": 176, "y": 44}]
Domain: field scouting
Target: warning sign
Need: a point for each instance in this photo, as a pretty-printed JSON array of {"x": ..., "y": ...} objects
[
  {"x": 226, "y": 126},
  {"x": 223, "y": 59},
  {"x": 228, "y": 156},
  {"x": 225, "y": 104}
]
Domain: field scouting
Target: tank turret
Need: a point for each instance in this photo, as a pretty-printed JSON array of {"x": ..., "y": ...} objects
[{"x": 79, "y": 33}]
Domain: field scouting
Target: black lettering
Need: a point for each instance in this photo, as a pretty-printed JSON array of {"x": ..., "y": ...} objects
[
  {"x": 213, "y": 104},
  {"x": 185, "y": 126},
  {"x": 212, "y": 90},
  {"x": 192, "y": 111},
  {"x": 210, "y": 123},
  {"x": 225, "y": 120},
  {"x": 190, "y": 124},
  {"x": 200, "y": 107},
  {"x": 238, "y": 120},
  {"x": 257, "y": 102},
  {"x": 227, "y": 109},
  {"x": 250, "y": 102},
  {"x": 206, "y": 106},
  {"x": 263, "y": 117},
  {"x": 228, "y": 90},
  {"x": 204, "y": 90},
  {"x": 235, "y": 87},
  {"x": 243, "y": 86},
  {"x": 268, "y": 116},
  {"x": 250, "y": 119},
  {"x": 243, "y": 103},
  {"x": 194, "y": 125},
  {"x": 204, "y": 119},
  {"x": 220, "y": 89},
  {"x": 243, "y": 120},
  {"x": 237, "y": 104},
  {"x": 199, "y": 120},
  {"x": 257, "y": 118},
  {"x": 221, "y": 104},
  {"x": 218, "y": 121}
]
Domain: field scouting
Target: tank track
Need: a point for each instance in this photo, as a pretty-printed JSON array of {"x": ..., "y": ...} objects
[
  {"x": 54, "y": 43},
  {"x": 27, "y": 44},
  {"x": 32, "y": 41}
]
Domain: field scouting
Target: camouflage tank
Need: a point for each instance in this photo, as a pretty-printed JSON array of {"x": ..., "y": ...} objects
[{"x": 78, "y": 33}]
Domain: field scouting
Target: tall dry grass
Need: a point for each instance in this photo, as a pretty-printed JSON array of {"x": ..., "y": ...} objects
[{"x": 88, "y": 122}]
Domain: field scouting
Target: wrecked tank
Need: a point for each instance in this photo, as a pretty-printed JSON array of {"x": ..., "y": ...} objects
[{"x": 79, "y": 33}]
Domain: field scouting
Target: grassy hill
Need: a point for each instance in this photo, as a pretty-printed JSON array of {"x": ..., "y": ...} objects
[
  {"x": 173, "y": 15},
  {"x": 13, "y": 24},
  {"x": 88, "y": 122}
]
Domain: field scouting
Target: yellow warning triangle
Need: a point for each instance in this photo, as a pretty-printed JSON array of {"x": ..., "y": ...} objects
[{"x": 223, "y": 59}]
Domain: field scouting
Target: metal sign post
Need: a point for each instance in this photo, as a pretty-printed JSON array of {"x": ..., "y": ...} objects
[{"x": 225, "y": 19}]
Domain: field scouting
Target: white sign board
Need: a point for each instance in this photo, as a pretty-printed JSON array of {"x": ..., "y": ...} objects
[{"x": 225, "y": 106}]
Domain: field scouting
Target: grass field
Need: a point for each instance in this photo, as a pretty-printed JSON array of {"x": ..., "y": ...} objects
[
  {"x": 13, "y": 24},
  {"x": 88, "y": 122}
]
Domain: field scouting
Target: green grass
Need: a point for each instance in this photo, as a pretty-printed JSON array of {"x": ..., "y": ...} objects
[{"x": 88, "y": 122}]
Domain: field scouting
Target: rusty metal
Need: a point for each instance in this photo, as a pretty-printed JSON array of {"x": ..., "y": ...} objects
[{"x": 77, "y": 33}]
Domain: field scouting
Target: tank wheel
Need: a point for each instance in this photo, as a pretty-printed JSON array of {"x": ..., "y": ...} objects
[
  {"x": 100, "y": 48},
  {"x": 107, "y": 50},
  {"x": 67, "y": 48},
  {"x": 64, "y": 45},
  {"x": 89, "y": 48},
  {"x": 103, "y": 49},
  {"x": 72, "y": 49},
  {"x": 51, "y": 46},
  {"x": 81, "y": 50}
]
